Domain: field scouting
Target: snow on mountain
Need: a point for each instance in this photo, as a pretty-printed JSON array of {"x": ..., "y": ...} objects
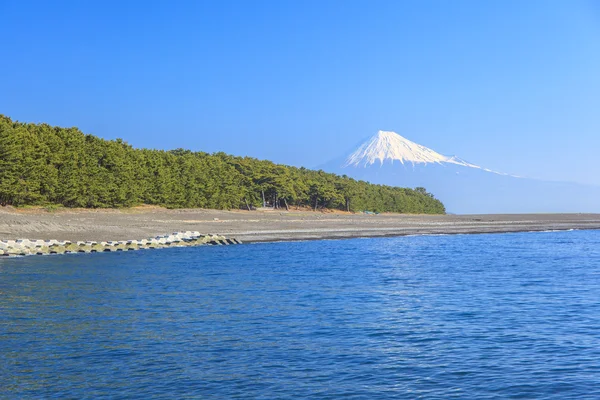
[
  {"x": 387, "y": 145},
  {"x": 391, "y": 146}
]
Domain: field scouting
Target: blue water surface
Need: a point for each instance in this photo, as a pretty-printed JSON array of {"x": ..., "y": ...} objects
[{"x": 437, "y": 317}]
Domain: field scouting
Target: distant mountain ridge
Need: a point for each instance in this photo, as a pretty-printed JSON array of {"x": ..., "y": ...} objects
[{"x": 391, "y": 159}]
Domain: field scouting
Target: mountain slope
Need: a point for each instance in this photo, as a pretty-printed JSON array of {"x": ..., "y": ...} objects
[{"x": 390, "y": 159}]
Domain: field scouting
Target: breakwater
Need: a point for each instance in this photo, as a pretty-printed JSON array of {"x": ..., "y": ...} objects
[{"x": 25, "y": 247}]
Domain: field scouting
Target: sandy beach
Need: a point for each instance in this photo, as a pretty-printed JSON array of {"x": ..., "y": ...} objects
[{"x": 259, "y": 226}]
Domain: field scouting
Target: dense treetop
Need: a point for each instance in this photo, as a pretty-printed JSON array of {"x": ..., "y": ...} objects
[{"x": 41, "y": 164}]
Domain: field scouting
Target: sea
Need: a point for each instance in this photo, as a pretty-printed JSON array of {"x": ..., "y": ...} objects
[{"x": 487, "y": 316}]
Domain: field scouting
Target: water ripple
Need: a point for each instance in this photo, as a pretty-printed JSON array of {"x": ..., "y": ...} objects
[{"x": 470, "y": 316}]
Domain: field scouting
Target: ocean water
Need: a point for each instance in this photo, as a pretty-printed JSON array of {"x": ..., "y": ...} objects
[{"x": 435, "y": 317}]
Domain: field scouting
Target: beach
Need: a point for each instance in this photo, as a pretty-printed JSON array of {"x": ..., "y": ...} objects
[{"x": 261, "y": 226}]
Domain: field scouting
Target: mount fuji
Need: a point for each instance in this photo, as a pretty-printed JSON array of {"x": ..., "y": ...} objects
[{"x": 390, "y": 159}]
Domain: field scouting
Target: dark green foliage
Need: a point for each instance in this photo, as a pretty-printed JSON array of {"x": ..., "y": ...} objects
[{"x": 41, "y": 165}]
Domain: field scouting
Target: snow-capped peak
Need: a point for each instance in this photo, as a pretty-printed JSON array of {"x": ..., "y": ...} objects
[{"x": 390, "y": 146}]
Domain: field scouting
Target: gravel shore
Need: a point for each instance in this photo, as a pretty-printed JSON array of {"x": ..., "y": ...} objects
[{"x": 258, "y": 226}]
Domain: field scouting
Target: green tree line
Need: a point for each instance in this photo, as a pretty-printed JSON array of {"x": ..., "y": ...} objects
[{"x": 42, "y": 164}]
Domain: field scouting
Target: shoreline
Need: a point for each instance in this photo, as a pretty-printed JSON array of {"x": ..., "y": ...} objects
[
  {"x": 392, "y": 235},
  {"x": 265, "y": 226}
]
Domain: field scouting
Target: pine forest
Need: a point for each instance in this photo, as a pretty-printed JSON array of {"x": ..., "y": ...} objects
[{"x": 45, "y": 165}]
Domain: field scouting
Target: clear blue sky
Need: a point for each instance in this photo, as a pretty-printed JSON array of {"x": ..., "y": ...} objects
[{"x": 511, "y": 85}]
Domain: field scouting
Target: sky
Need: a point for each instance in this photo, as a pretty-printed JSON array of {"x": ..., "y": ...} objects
[{"x": 510, "y": 85}]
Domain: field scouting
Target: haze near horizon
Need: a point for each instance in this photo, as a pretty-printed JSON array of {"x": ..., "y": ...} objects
[{"x": 512, "y": 86}]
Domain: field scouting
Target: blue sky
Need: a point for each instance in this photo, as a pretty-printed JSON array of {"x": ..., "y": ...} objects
[{"x": 510, "y": 85}]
